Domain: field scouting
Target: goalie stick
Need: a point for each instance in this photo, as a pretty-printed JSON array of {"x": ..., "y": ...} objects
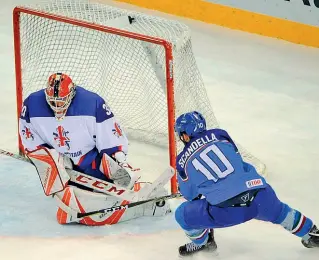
[
  {"x": 15, "y": 156},
  {"x": 129, "y": 205},
  {"x": 109, "y": 188},
  {"x": 118, "y": 191}
]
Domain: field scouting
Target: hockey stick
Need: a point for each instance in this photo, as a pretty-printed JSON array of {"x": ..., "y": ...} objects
[
  {"x": 129, "y": 205},
  {"x": 15, "y": 156},
  {"x": 109, "y": 188}
]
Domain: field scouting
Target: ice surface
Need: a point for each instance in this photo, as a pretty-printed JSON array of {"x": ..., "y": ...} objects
[{"x": 264, "y": 92}]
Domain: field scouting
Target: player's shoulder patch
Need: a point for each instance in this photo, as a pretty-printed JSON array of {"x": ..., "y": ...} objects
[{"x": 117, "y": 130}]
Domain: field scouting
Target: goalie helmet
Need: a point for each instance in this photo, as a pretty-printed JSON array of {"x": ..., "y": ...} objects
[
  {"x": 189, "y": 125},
  {"x": 59, "y": 93}
]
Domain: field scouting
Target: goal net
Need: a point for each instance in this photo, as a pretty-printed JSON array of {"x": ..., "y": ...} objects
[{"x": 143, "y": 66}]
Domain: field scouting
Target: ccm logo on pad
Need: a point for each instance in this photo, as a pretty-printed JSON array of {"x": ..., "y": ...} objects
[{"x": 254, "y": 183}]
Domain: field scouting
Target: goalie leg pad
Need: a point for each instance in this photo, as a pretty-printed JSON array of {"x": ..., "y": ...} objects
[
  {"x": 157, "y": 209},
  {"x": 67, "y": 198},
  {"x": 73, "y": 200},
  {"x": 50, "y": 168}
]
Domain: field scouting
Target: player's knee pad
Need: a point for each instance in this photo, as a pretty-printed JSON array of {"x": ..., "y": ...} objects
[
  {"x": 198, "y": 236},
  {"x": 194, "y": 215},
  {"x": 294, "y": 221},
  {"x": 179, "y": 216}
]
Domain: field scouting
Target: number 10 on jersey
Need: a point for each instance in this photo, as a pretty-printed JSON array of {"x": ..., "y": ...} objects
[{"x": 206, "y": 165}]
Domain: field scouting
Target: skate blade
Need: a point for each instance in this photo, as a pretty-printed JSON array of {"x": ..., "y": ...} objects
[{"x": 207, "y": 253}]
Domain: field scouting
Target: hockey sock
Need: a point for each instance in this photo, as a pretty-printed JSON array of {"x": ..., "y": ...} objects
[
  {"x": 198, "y": 236},
  {"x": 294, "y": 221}
]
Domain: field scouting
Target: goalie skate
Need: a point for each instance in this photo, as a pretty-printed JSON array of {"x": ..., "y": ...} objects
[{"x": 191, "y": 248}]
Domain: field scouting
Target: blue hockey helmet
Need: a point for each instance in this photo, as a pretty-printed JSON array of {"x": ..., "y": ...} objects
[{"x": 191, "y": 124}]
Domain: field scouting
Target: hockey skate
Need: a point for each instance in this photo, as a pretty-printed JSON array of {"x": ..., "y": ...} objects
[
  {"x": 191, "y": 248},
  {"x": 313, "y": 239}
]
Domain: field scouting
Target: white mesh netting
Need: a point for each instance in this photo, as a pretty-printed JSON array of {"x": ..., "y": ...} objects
[{"x": 129, "y": 74}]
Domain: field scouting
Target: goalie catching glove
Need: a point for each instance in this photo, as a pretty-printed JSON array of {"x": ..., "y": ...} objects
[{"x": 119, "y": 170}]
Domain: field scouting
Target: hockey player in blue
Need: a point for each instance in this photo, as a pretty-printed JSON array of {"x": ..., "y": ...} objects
[{"x": 222, "y": 190}]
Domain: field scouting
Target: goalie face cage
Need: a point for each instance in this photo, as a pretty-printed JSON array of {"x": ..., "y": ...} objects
[{"x": 143, "y": 66}]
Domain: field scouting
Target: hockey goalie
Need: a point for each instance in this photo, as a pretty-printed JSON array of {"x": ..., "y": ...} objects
[{"x": 80, "y": 152}]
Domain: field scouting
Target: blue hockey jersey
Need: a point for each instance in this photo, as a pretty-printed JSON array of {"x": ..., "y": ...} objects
[{"x": 210, "y": 165}]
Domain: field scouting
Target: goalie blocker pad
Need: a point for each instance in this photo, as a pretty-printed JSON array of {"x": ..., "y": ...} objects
[{"x": 52, "y": 174}]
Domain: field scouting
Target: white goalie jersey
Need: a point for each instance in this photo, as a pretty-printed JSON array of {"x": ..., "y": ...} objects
[{"x": 89, "y": 127}]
